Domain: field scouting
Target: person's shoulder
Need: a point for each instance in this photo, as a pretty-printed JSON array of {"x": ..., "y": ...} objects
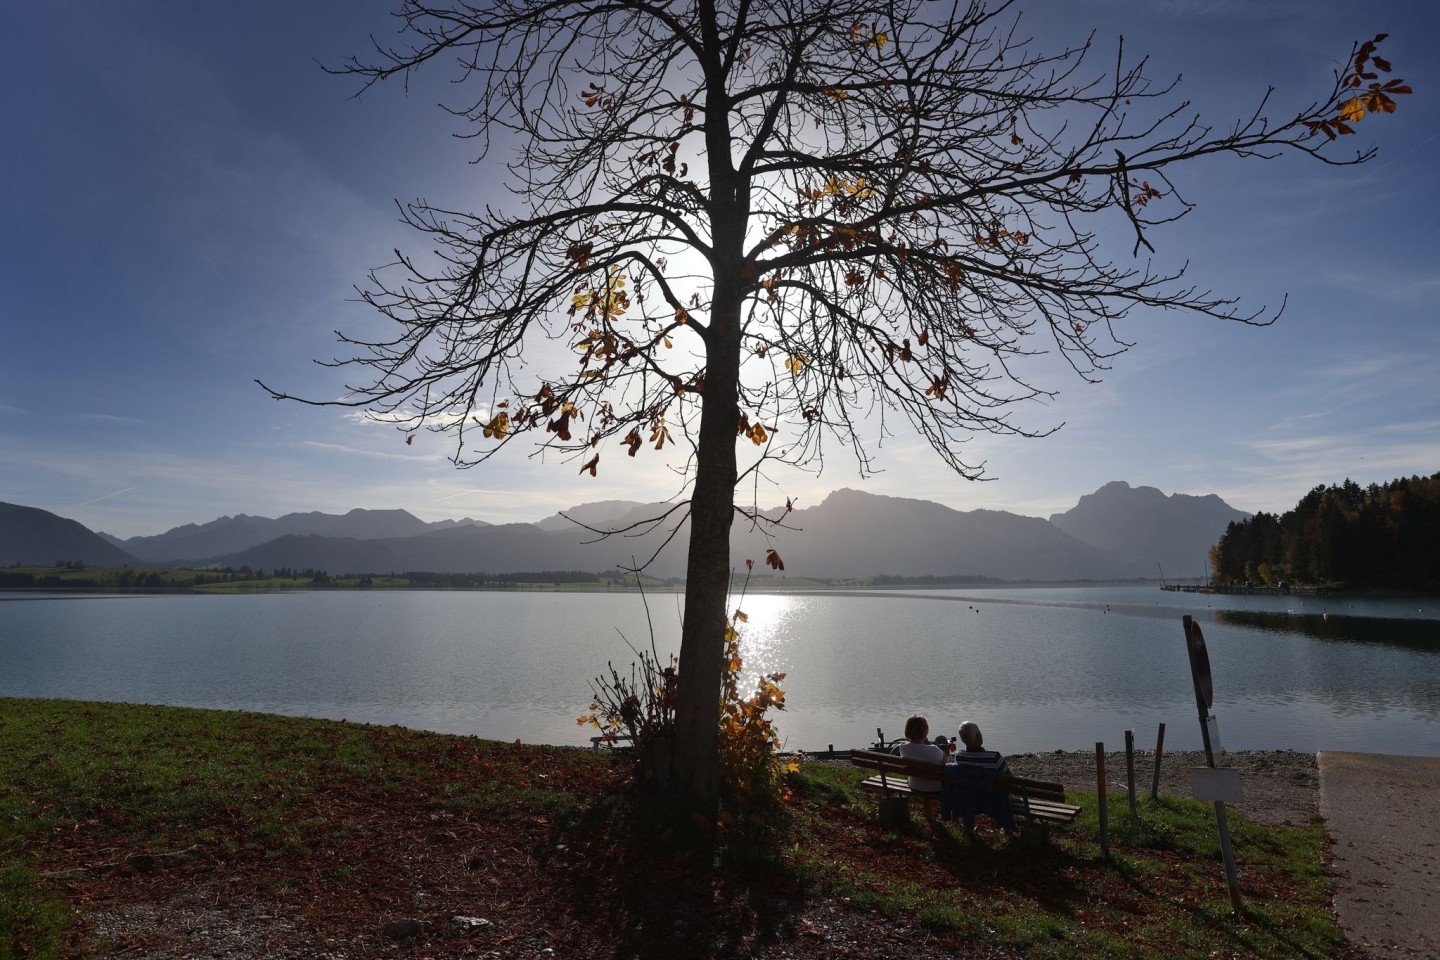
[
  {"x": 980, "y": 757},
  {"x": 921, "y": 751}
]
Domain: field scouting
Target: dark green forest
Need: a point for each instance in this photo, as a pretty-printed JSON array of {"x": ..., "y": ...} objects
[{"x": 1384, "y": 536}]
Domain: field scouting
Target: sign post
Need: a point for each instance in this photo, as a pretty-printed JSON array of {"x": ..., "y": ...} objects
[{"x": 1209, "y": 730}]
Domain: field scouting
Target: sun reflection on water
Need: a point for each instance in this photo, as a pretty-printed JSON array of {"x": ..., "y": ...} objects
[{"x": 764, "y": 637}]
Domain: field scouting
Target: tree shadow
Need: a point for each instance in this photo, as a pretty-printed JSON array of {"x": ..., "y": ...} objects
[
  {"x": 1031, "y": 864},
  {"x": 662, "y": 886}
]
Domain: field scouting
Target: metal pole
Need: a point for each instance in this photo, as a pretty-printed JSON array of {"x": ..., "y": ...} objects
[
  {"x": 1232, "y": 880},
  {"x": 1130, "y": 767},
  {"x": 1100, "y": 794},
  {"x": 1159, "y": 751}
]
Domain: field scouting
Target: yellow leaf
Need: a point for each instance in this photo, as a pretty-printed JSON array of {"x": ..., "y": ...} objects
[
  {"x": 795, "y": 365},
  {"x": 758, "y": 435},
  {"x": 498, "y": 427},
  {"x": 1352, "y": 110}
]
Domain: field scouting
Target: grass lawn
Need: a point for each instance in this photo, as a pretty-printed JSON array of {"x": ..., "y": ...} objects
[{"x": 339, "y": 829}]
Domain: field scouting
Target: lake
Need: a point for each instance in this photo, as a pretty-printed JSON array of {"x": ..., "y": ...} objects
[{"x": 1038, "y": 668}]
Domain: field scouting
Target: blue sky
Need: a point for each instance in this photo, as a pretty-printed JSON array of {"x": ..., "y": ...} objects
[{"x": 189, "y": 201}]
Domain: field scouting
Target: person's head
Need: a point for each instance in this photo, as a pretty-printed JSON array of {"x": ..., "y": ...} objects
[
  {"x": 917, "y": 729},
  {"x": 970, "y": 735}
]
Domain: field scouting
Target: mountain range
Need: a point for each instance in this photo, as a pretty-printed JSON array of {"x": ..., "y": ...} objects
[{"x": 1118, "y": 531}]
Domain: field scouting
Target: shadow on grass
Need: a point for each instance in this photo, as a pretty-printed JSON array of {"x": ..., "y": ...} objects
[
  {"x": 1031, "y": 865},
  {"x": 662, "y": 886}
]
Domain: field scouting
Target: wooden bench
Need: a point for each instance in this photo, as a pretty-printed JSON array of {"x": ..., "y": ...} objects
[{"x": 1039, "y": 802}]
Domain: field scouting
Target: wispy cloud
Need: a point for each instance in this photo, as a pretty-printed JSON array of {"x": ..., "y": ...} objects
[
  {"x": 362, "y": 452},
  {"x": 104, "y": 497}
]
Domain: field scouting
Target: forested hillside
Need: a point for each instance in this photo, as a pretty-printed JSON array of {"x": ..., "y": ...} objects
[{"x": 1380, "y": 536}]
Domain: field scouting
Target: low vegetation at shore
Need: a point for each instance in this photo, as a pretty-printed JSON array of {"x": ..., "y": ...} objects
[
  {"x": 357, "y": 840},
  {"x": 72, "y": 577}
]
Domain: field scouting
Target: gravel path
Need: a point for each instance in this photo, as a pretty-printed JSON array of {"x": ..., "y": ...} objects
[
  {"x": 1280, "y": 786},
  {"x": 1382, "y": 813}
]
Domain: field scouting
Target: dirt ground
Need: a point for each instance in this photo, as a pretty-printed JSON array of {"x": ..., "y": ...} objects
[{"x": 499, "y": 900}]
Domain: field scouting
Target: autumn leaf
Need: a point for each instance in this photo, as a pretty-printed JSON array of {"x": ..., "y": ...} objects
[
  {"x": 592, "y": 94},
  {"x": 410, "y": 439},
  {"x": 498, "y": 426},
  {"x": 758, "y": 436},
  {"x": 772, "y": 559},
  {"x": 580, "y": 253},
  {"x": 591, "y": 464},
  {"x": 795, "y": 365},
  {"x": 1352, "y": 110}
]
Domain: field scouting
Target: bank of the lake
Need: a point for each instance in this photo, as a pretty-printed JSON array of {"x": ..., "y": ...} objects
[{"x": 163, "y": 832}]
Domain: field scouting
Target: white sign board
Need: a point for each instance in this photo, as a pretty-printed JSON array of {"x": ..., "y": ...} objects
[{"x": 1219, "y": 783}]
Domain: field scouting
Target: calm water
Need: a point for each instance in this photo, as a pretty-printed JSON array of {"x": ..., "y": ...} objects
[{"x": 1039, "y": 668}]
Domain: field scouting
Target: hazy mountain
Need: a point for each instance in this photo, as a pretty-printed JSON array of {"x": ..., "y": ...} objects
[
  {"x": 229, "y": 535},
  {"x": 29, "y": 535},
  {"x": 1117, "y": 531},
  {"x": 600, "y": 515},
  {"x": 1145, "y": 527},
  {"x": 861, "y": 534},
  {"x": 498, "y": 548},
  {"x": 449, "y": 524}
]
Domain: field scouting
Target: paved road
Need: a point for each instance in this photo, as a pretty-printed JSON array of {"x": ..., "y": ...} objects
[{"x": 1383, "y": 813}]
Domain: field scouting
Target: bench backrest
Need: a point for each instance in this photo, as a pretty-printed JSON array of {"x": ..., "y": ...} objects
[
  {"x": 895, "y": 765},
  {"x": 892, "y": 765}
]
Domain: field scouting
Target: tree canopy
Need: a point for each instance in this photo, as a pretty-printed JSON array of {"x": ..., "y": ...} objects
[
  {"x": 1381, "y": 536},
  {"x": 765, "y": 227}
]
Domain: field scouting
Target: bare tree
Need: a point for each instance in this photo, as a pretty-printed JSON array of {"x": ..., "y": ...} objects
[{"x": 758, "y": 224}]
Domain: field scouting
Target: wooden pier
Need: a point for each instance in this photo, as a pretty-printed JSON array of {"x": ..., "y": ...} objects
[{"x": 1238, "y": 589}]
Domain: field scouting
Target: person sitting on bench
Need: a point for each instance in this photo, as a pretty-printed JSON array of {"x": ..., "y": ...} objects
[
  {"x": 917, "y": 731},
  {"x": 969, "y": 783}
]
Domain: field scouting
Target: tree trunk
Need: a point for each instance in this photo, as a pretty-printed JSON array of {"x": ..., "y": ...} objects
[
  {"x": 707, "y": 577},
  {"x": 712, "y": 503}
]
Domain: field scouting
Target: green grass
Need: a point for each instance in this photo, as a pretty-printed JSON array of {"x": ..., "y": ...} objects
[
  {"x": 1161, "y": 892},
  {"x": 82, "y": 783}
]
